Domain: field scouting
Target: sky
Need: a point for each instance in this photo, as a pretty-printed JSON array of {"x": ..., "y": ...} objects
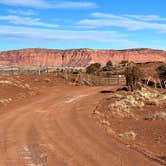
[{"x": 95, "y": 24}]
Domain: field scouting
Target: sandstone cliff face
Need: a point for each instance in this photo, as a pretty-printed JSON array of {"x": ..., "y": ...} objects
[{"x": 78, "y": 57}]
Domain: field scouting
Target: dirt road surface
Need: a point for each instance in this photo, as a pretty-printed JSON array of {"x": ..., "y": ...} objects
[{"x": 56, "y": 129}]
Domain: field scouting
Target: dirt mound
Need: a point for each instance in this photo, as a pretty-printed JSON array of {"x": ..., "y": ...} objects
[
  {"x": 137, "y": 119},
  {"x": 123, "y": 103},
  {"x": 16, "y": 88}
]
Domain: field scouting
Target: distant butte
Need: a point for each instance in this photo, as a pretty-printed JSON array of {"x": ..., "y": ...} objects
[{"x": 78, "y": 57}]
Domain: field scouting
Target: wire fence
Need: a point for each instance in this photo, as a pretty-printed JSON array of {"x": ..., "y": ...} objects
[
  {"x": 93, "y": 80},
  {"x": 79, "y": 78}
]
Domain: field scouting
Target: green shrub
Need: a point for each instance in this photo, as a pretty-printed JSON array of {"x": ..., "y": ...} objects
[
  {"x": 108, "y": 74},
  {"x": 133, "y": 76},
  {"x": 108, "y": 66},
  {"x": 124, "y": 62},
  {"x": 75, "y": 72},
  {"x": 161, "y": 70},
  {"x": 93, "y": 68}
]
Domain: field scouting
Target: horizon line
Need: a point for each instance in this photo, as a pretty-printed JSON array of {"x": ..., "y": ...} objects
[{"x": 99, "y": 49}]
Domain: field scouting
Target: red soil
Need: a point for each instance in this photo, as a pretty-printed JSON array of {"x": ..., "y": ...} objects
[
  {"x": 150, "y": 135},
  {"x": 56, "y": 128}
]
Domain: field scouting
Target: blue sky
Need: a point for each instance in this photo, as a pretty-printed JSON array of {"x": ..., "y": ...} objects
[{"x": 97, "y": 24}]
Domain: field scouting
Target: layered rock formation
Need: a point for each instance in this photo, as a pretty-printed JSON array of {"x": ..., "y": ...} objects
[{"x": 78, "y": 57}]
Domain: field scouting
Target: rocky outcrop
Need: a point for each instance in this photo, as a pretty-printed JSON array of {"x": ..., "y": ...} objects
[{"x": 78, "y": 57}]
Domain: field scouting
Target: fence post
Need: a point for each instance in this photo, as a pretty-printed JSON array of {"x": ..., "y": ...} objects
[
  {"x": 47, "y": 69},
  {"x": 39, "y": 72},
  {"x": 118, "y": 79}
]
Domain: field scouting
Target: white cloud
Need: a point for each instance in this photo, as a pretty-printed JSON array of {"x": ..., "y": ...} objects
[
  {"x": 25, "y": 3},
  {"x": 129, "y": 22},
  {"x": 129, "y": 16},
  {"x": 146, "y": 17},
  {"x": 67, "y": 36},
  {"x": 28, "y": 12},
  {"x": 20, "y": 20},
  {"x": 46, "y": 4}
]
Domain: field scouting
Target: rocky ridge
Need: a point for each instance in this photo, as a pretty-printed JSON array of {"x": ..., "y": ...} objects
[{"x": 77, "y": 57}]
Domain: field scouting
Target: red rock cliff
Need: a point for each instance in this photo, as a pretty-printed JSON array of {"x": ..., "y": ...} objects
[{"x": 78, "y": 57}]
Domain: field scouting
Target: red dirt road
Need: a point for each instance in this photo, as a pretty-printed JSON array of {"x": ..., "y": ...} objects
[{"x": 56, "y": 129}]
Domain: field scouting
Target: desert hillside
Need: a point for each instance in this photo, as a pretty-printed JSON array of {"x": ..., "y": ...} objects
[{"x": 78, "y": 57}]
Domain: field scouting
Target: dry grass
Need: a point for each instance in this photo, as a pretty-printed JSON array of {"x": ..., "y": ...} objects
[
  {"x": 157, "y": 116},
  {"x": 5, "y": 101},
  {"x": 16, "y": 83},
  {"x": 123, "y": 106},
  {"x": 128, "y": 135}
]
